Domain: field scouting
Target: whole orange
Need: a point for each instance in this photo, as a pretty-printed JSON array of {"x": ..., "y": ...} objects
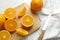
[
  {"x": 36, "y": 5},
  {"x": 2, "y": 20}
]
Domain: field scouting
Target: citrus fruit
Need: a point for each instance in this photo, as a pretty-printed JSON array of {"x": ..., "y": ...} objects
[
  {"x": 27, "y": 20},
  {"x": 10, "y": 25},
  {"x": 22, "y": 12},
  {"x": 36, "y": 5},
  {"x": 10, "y": 13},
  {"x": 5, "y": 35},
  {"x": 2, "y": 20},
  {"x": 22, "y": 32}
]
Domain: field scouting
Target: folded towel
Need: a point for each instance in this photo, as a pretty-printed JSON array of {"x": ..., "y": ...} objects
[{"x": 53, "y": 31}]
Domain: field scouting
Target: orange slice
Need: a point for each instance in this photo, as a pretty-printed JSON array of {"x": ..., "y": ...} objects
[
  {"x": 2, "y": 20},
  {"x": 22, "y": 12},
  {"x": 10, "y": 25},
  {"x": 27, "y": 20},
  {"x": 10, "y": 13},
  {"x": 22, "y": 32},
  {"x": 5, "y": 35}
]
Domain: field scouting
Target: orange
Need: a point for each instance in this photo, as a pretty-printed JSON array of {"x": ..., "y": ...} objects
[
  {"x": 22, "y": 32},
  {"x": 36, "y": 5},
  {"x": 10, "y": 13},
  {"x": 2, "y": 20},
  {"x": 10, "y": 25},
  {"x": 27, "y": 20},
  {"x": 5, "y": 35},
  {"x": 22, "y": 12}
]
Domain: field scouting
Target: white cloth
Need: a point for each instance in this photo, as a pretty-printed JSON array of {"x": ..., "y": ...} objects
[{"x": 53, "y": 31}]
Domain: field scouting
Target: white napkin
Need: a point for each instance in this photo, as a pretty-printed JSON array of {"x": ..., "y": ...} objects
[
  {"x": 54, "y": 24},
  {"x": 53, "y": 28}
]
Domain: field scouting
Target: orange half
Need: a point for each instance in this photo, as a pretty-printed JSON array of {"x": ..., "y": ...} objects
[
  {"x": 27, "y": 20},
  {"x": 10, "y": 13},
  {"x": 5, "y": 35},
  {"x": 22, "y": 12},
  {"x": 10, "y": 25},
  {"x": 2, "y": 20}
]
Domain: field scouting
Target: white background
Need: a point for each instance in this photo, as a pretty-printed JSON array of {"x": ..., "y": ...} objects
[{"x": 11, "y": 3}]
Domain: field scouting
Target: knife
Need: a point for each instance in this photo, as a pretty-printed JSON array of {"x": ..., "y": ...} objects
[{"x": 44, "y": 28}]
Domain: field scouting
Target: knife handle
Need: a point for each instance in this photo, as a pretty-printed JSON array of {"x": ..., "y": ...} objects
[{"x": 42, "y": 35}]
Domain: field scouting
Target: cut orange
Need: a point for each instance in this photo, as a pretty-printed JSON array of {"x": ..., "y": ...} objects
[
  {"x": 10, "y": 13},
  {"x": 22, "y": 32},
  {"x": 27, "y": 20},
  {"x": 2, "y": 20},
  {"x": 10, "y": 25},
  {"x": 5, "y": 35},
  {"x": 22, "y": 12}
]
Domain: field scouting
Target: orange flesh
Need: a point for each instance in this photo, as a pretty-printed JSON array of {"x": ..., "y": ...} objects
[
  {"x": 27, "y": 21},
  {"x": 5, "y": 35},
  {"x": 10, "y": 25},
  {"x": 10, "y": 13},
  {"x": 22, "y": 12}
]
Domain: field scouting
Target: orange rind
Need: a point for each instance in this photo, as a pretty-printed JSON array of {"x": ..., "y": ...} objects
[
  {"x": 2, "y": 20},
  {"x": 22, "y": 32}
]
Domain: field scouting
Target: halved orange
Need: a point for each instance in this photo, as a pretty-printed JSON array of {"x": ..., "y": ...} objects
[
  {"x": 10, "y": 25},
  {"x": 10, "y": 13},
  {"x": 22, "y": 32},
  {"x": 22, "y": 12},
  {"x": 2, "y": 20},
  {"x": 5, "y": 35},
  {"x": 27, "y": 20}
]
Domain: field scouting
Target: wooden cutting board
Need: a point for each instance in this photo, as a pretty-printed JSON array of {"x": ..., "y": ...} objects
[{"x": 35, "y": 26}]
